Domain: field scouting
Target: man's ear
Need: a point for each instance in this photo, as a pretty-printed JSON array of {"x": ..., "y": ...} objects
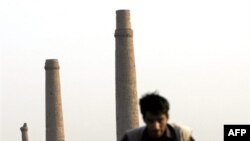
[{"x": 167, "y": 115}]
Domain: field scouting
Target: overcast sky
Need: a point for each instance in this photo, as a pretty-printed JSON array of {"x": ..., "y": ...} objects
[{"x": 195, "y": 53}]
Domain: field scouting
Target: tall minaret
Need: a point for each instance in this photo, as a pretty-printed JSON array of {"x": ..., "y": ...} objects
[
  {"x": 125, "y": 75},
  {"x": 24, "y": 130},
  {"x": 54, "y": 114}
]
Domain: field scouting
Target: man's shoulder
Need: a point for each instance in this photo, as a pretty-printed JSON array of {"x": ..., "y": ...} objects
[
  {"x": 135, "y": 134},
  {"x": 180, "y": 126},
  {"x": 182, "y": 131},
  {"x": 136, "y": 130}
]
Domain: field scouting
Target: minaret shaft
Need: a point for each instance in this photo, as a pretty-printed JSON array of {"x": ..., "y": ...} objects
[
  {"x": 24, "y": 130},
  {"x": 54, "y": 114},
  {"x": 126, "y": 93}
]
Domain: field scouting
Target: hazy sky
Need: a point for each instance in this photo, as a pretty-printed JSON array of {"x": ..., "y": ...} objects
[{"x": 195, "y": 53}]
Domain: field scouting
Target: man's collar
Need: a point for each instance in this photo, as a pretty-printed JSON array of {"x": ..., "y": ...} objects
[{"x": 168, "y": 133}]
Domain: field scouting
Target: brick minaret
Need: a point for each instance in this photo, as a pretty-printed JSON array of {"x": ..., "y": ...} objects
[
  {"x": 54, "y": 115},
  {"x": 125, "y": 75},
  {"x": 24, "y": 130}
]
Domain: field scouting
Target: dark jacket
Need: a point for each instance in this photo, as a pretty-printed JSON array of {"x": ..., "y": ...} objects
[{"x": 175, "y": 133}]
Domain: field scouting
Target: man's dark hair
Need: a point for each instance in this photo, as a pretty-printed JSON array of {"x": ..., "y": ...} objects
[{"x": 154, "y": 103}]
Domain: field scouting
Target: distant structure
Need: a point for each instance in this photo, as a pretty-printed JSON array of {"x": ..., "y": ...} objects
[
  {"x": 24, "y": 130},
  {"x": 54, "y": 114},
  {"x": 125, "y": 75}
]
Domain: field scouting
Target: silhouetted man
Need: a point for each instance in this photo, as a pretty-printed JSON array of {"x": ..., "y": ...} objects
[{"x": 154, "y": 109}]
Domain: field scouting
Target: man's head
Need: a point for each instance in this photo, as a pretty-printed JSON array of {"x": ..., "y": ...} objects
[{"x": 154, "y": 109}]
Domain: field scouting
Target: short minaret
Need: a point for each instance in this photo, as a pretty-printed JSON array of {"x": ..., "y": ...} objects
[
  {"x": 125, "y": 75},
  {"x": 54, "y": 114},
  {"x": 24, "y": 130}
]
